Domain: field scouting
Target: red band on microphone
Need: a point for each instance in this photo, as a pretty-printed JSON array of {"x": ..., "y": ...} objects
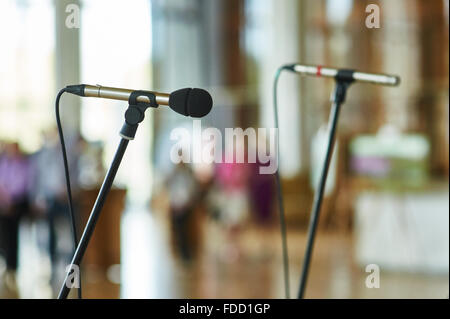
[{"x": 319, "y": 70}]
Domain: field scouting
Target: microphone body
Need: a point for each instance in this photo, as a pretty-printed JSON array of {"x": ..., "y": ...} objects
[
  {"x": 122, "y": 94},
  {"x": 312, "y": 70},
  {"x": 192, "y": 102}
]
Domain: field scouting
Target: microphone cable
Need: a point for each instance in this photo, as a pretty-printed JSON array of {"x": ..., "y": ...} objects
[
  {"x": 280, "y": 191},
  {"x": 67, "y": 175}
]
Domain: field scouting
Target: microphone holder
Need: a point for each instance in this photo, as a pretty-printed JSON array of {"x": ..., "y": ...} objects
[
  {"x": 133, "y": 116},
  {"x": 343, "y": 79}
]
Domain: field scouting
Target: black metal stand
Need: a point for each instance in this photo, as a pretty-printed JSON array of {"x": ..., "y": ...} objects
[
  {"x": 343, "y": 81},
  {"x": 133, "y": 116}
]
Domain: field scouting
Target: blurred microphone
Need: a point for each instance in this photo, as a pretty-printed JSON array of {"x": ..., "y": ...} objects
[
  {"x": 350, "y": 75},
  {"x": 189, "y": 101}
]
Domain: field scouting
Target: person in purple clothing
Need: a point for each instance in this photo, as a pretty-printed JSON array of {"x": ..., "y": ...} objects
[
  {"x": 15, "y": 175},
  {"x": 261, "y": 192}
]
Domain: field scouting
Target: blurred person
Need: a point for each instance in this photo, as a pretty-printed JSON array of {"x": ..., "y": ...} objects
[
  {"x": 183, "y": 189},
  {"x": 204, "y": 175},
  {"x": 232, "y": 179},
  {"x": 231, "y": 201},
  {"x": 15, "y": 176},
  {"x": 49, "y": 197},
  {"x": 262, "y": 192},
  {"x": 90, "y": 164},
  {"x": 261, "y": 189}
]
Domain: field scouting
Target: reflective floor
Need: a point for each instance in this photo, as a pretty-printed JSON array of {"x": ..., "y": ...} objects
[
  {"x": 244, "y": 263},
  {"x": 247, "y": 264}
]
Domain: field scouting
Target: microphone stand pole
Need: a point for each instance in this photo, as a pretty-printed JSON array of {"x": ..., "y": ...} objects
[
  {"x": 343, "y": 80},
  {"x": 133, "y": 116}
]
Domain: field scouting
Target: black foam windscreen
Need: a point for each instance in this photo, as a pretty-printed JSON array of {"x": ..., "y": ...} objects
[{"x": 191, "y": 102}]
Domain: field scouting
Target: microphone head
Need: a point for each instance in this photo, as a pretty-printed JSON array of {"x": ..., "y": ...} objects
[{"x": 191, "y": 102}]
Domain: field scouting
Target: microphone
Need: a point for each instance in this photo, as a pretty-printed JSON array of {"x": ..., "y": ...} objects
[
  {"x": 192, "y": 102},
  {"x": 188, "y": 101},
  {"x": 349, "y": 75}
]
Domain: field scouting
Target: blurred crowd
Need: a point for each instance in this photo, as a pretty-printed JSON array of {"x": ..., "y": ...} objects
[
  {"x": 229, "y": 194},
  {"x": 33, "y": 187}
]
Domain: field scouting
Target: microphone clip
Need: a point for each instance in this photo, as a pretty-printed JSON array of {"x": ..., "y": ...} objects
[
  {"x": 344, "y": 78},
  {"x": 135, "y": 113}
]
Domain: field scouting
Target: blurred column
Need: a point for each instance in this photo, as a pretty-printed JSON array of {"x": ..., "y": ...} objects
[
  {"x": 178, "y": 43},
  {"x": 363, "y": 51},
  {"x": 233, "y": 61},
  {"x": 67, "y": 56},
  {"x": 197, "y": 43},
  {"x": 178, "y": 57},
  {"x": 432, "y": 104},
  {"x": 285, "y": 37},
  {"x": 400, "y": 57}
]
